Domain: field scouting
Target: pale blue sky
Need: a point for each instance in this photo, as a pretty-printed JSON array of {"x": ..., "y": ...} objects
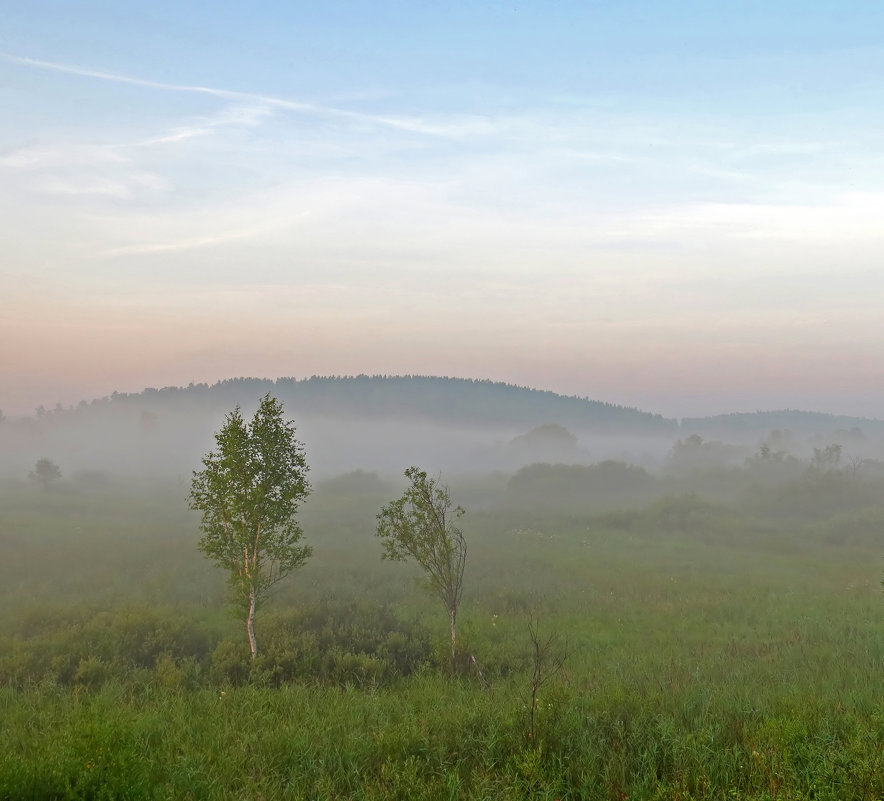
[{"x": 677, "y": 206}]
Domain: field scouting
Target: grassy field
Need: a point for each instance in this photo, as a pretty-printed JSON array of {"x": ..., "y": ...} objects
[{"x": 714, "y": 650}]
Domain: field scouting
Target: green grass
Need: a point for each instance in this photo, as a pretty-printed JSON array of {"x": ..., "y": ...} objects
[
  {"x": 429, "y": 737},
  {"x": 734, "y": 656}
]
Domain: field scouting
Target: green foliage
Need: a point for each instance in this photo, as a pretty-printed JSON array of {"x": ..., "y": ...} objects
[
  {"x": 357, "y": 643},
  {"x": 826, "y": 459},
  {"x": 771, "y": 466},
  {"x": 84, "y": 647},
  {"x": 46, "y": 473},
  {"x": 573, "y": 488},
  {"x": 249, "y": 492},
  {"x": 818, "y": 495},
  {"x": 681, "y": 513},
  {"x": 422, "y": 525}
]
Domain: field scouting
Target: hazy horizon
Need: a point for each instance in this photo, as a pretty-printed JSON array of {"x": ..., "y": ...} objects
[
  {"x": 10, "y": 412},
  {"x": 641, "y": 204}
]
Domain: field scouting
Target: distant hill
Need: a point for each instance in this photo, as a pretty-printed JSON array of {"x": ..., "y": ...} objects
[
  {"x": 456, "y": 401},
  {"x": 460, "y": 402},
  {"x": 724, "y": 425},
  {"x": 383, "y": 423},
  {"x": 443, "y": 400}
]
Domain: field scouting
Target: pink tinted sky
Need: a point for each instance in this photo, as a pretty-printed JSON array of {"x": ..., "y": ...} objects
[{"x": 685, "y": 216}]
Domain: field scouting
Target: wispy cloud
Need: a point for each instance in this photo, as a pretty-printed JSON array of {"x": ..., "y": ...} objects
[
  {"x": 233, "y": 116},
  {"x": 73, "y": 169},
  {"x": 115, "y": 170},
  {"x": 461, "y": 126}
]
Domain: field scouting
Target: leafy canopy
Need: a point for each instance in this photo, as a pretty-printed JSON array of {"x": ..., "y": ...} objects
[
  {"x": 422, "y": 525},
  {"x": 249, "y": 492},
  {"x": 45, "y": 473}
]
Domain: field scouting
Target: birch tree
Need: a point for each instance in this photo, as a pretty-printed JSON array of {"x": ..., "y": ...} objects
[
  {"x": 422, "y": 525},
  {"x": 249, "y": 491}
]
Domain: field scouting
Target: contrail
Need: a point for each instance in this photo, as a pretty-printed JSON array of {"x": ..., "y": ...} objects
[{"x": 410, "y": 125}]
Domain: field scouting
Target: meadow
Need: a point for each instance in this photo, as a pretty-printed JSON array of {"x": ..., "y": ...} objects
[{"x": 720, "y": 639}]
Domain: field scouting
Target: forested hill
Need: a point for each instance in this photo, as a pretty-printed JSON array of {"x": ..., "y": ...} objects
[
  {"x": 459, "y": 401},
  {"x": 462, "y": 402},
  {"x": 725, "y": 425}
]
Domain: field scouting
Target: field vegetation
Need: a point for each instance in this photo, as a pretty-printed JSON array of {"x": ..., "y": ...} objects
[{"x": 707, "y": 634}]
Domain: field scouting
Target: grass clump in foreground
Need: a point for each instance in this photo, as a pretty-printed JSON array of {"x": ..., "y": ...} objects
[{"x": 428, "y": 738}]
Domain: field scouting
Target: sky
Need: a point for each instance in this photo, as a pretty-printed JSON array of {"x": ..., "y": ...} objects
[{"x": 675, "y": 206}]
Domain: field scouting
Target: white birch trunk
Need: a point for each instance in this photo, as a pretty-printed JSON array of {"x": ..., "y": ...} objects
[
  {"x": 453, "y": 613},
  {"x": 250, "y": 623}
]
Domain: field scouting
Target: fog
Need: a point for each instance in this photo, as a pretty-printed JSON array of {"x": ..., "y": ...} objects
[
  {"x": 678, "y": 571},
  {"x": 175, "y": 445},
  {"x": 381, "y": 425}
]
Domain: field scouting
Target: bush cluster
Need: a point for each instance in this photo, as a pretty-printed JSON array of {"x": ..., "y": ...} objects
[{"x": 348, "y": 643}]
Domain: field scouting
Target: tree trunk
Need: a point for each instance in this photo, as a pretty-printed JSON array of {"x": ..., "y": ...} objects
[
  {"x": 250, "y": 622},
  {"x": 453, "y": 613}
]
